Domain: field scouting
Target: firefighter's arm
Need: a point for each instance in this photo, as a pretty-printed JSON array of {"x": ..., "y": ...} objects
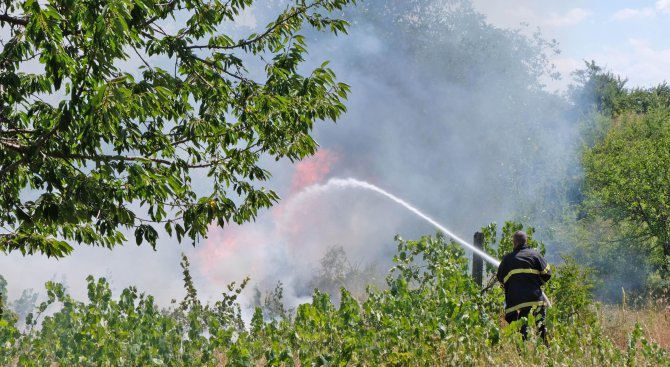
[{"x": 545, "y": 270}]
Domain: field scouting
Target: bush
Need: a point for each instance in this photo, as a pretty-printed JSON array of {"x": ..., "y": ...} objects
[{"x": 430, "y": 313}]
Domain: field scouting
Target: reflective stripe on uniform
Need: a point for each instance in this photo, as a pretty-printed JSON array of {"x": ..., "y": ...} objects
[
  {"x": 525, "y": 271},
  {"x": 525, "y": 304}
]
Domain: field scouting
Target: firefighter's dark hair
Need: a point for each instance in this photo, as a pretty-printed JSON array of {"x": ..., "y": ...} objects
[{"x": 520, "y": 237}]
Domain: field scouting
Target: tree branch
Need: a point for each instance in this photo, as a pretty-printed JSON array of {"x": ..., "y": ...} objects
[
  {"x": 12, "y": 132},
  {"x": 644, "y": 216},
  {"x": 13, "y": 20},
  {"x": 12, "y": 145},
  {"x": 40, "y": 140},
  {"x": 170, "y": 8},
  {"x": 142, "y": 58},
  {"x": 123, "y": 158},
  {"x": 262, "y": 35},
  {"x": 217, "y": 67}
]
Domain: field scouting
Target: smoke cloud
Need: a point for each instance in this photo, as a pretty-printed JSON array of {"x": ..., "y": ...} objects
[{"x": 446, "y": 111}]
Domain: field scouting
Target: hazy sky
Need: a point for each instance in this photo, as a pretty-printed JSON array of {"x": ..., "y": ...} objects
[{"x": 630, "y": 38}]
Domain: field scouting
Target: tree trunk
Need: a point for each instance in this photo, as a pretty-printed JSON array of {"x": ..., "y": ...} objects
[{"x": 665, "y": 263}]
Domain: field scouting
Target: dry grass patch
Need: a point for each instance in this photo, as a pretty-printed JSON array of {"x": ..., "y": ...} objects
[{"x": 618, "y": 322}]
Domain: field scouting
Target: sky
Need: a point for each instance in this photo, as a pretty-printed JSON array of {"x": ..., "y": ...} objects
[
  {"x": 389, "y": 137},
  {"x": 630, "y": 38}
]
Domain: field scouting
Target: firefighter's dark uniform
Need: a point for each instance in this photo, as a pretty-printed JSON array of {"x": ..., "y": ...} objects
[{"x": 522, "y": 272}]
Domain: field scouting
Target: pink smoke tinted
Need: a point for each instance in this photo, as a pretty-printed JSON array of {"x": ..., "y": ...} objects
[
  {"x": 226, "y": 244},
  {"x": 243, "y": 248},
  {"x": 312, "y": 170}
]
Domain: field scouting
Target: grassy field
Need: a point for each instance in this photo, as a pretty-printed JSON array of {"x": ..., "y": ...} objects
[{"x": 654, "y": 319}]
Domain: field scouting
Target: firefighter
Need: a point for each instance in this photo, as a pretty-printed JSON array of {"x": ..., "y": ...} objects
[{"x": 522, "y": 273}]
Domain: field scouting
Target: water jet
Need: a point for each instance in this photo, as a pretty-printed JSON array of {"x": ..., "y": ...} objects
[{"x": 354, "y": 183}]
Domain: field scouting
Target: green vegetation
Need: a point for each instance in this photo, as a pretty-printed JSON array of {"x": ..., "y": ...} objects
[
  {"x": 429, "y": 313},
  {"x": 622, "y": 231},
  {"x": 90, "y": 151},
  {"x": 628, "y": 174},
  {"x": 101, "y": 150}
]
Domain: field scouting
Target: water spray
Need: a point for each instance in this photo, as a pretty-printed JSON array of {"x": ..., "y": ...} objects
[{"x": 352, "y": 182}]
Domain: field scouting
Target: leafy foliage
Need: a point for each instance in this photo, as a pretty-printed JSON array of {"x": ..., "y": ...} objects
[
  {"x": 88, "y": 148},
  {"x": 570, "y": 289},
  {"x": 431, "y": 313},
  {"x": 617, "y": 223},
  {"x": 628, "y": 173},
  {"x": 502, "y": 244},
  {"x": 3, "y": 294},
  {"x": 598, "y": 90}
]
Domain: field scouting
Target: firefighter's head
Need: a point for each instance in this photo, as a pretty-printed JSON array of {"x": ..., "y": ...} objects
[{"x": 520, "y": 238}]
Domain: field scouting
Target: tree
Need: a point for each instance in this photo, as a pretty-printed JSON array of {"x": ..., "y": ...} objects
[
  {"x": 337, "y": 271},
  {"x": 25, "y": 304},
  {"x": 598, "y": 90},
  {"x": 3, "y": 295},
  {"x": 604, "y": 231},
  {"x": 88, "y": 149},
  {"x": 628, "y": 175}
]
